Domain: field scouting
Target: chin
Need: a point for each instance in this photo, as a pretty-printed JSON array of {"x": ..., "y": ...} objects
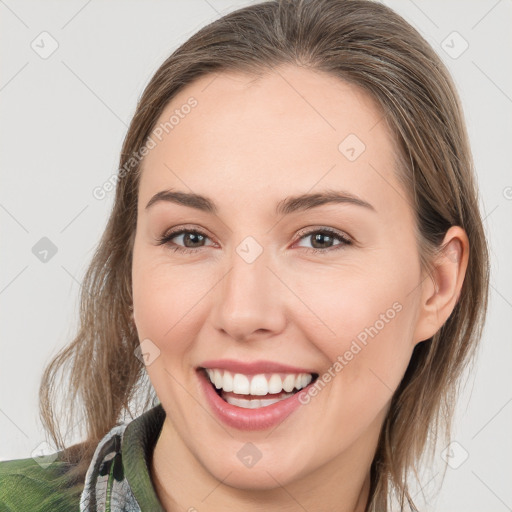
[{"x": 262, "y": 479}]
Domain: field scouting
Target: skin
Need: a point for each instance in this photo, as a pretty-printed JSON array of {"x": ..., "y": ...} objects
[{"x": 247, "y": 145}]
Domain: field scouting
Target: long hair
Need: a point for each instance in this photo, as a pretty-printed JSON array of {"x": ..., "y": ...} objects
[{"x": 365, "y": 44}]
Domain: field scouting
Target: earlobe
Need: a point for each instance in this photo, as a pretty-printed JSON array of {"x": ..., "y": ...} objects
[{"x": 441, "y": 289}]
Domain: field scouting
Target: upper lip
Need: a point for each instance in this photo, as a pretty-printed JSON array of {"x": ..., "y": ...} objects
[{"x": 253, "y": 367}]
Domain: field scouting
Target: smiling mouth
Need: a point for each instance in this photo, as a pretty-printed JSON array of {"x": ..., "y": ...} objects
[{"x": 256, "y": 391}]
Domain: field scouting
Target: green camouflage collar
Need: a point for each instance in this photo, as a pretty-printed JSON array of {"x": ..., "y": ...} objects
[{"x": 118, "y": 478}]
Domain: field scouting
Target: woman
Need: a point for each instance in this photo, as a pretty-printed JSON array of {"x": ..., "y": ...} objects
[{"x": 295, "y": 259}]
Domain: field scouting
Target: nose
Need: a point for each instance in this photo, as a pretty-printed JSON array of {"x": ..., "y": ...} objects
[{"x": 250, "y": 300}]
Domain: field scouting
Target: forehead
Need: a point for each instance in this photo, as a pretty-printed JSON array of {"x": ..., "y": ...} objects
[{"x": 285, "y": 132}]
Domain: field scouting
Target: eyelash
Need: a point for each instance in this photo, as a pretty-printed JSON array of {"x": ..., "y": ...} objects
[{"x": 165, "y": 240}]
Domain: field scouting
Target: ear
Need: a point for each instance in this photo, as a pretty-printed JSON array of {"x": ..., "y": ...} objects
[{"x": 441, "y": 289}]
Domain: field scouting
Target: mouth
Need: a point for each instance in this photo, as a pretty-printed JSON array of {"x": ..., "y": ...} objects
[{"x": 256, "y": 391}]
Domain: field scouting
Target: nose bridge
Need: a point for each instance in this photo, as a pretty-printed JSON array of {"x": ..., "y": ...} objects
[
  {"x": 248, "y": 276},
  {"x": 248, "y": 299}
]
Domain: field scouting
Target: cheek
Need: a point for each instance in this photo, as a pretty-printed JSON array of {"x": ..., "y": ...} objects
[
  {"x": 363, "y": 320},
  {"x": 368, "y": 352},
  {"x": 167, "y": 303},
  {"x": 166, "y": 313}
]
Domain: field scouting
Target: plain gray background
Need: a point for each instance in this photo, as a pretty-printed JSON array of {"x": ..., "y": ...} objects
[{"x": 64, "y": 117}]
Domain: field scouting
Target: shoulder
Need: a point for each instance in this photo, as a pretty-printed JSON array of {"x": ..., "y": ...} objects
[{"x": 39, "y": 485}]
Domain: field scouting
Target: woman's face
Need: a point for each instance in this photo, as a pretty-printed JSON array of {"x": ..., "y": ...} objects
[{"x": 251, "y": 289}]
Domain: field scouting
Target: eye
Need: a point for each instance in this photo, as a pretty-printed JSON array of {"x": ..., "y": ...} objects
[
  {"x": 325, "y": 236},
  {"x": 189, "y": 236},
  {"x": 194, "y": 237}
]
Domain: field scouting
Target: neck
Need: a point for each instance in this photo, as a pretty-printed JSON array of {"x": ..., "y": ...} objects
[{"x": 183, "y": 483}]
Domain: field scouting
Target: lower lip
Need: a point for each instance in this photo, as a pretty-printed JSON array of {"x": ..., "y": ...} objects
[{"x": 261, "y": 418}]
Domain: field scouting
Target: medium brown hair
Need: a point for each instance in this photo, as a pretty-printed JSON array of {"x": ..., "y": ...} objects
[{"x": 365, "y": 44}]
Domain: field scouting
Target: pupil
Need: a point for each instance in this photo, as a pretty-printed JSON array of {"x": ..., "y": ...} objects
[
  {"x": 318, "y": 237},
  {"x": 191, "y": 235}
]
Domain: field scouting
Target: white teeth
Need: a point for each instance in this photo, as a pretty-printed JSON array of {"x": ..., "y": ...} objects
[
  {"x": 218, "y": 380},
  {"x": 289, "y": 383},
  {"x": 258, "y": 385},
  {"x": 227, "y": 382},
  {"x": 306, "y": 379},
  {"x": 254, "y": 404},
  {"x": 240, "y": 384},
  {"x": 275, "y": 384}
]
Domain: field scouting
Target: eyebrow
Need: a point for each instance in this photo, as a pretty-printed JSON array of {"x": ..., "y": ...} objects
[{"x": 287, "y": 206}]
